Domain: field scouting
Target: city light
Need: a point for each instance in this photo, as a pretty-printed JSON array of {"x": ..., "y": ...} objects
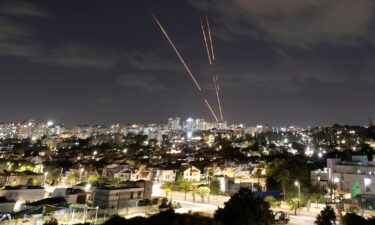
[
  {"x": 88, "y": 187},
  {"x": 367, "y": 181},
  {"x": 49, "y": 123}
]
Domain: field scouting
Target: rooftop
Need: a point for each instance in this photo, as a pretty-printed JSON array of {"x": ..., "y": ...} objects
[{"x": 20, "y": 187}]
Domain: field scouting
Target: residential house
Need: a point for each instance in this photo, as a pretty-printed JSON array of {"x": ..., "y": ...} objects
[
  {"x": 352, "y": 177},
  {"x": 190, "y": 172}
]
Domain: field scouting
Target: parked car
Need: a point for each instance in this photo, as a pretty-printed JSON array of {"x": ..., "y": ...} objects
[{"x": 281, "y": 217}]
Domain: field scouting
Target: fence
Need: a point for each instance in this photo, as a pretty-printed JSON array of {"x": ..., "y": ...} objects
[
  {"x": 211, "y": 198},
  {"x": 74, "y": 215}
]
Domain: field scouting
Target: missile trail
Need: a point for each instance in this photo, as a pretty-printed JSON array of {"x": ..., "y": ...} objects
[
  {"x": 184, "y": 64},
  {"x": 218, "y": 97},
  {"x": 217, "y": 83},
  {"x": 209, "y": 36},
  {"x": 212, "y": 111},
  {"x": 211, "y": 59},
  {"x": 177, "y": 52},
  {"x": 205, "y": 41}
]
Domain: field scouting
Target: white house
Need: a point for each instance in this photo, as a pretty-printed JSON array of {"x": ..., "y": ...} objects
[{"x": 190, "y": 172}]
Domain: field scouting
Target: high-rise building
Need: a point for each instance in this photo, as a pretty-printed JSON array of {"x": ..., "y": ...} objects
[
  {"x": 189, "y": 125},
  {"x": 200, "y": 124},
  {"x": 174, "y": 123}
]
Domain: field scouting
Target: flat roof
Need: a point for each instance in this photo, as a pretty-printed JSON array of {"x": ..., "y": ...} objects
[
  {"x": 21, "y": 187},
  {"x": 117, "y": 187}
]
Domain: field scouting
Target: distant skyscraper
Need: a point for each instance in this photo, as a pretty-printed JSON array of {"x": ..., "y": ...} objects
[
  {"x": 189, "y": 125},
  {"x": 200, "y": 124},
  {"x": 174, "y": 123}
]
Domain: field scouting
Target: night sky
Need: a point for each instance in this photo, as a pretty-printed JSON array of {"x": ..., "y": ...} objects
[{"x": 286, "y": 62}]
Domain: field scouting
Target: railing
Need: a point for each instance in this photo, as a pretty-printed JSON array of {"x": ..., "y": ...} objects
[
  {"x": 92, "y": 216},
  {"x": 181, "y": 196}
]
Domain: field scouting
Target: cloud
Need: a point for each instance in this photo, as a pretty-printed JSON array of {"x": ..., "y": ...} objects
[
  {"x": 22, "y": 9},
  {"x": 147, "y": 71},
  {"x": 151, "y": 62},
  {"x": 290, "y": 73},
  {"x": 73, "y": 55},
  {"x": 19, "y": 39},
  {"x": 307, "y": 23},
  {"x": 142, "y": 81}
]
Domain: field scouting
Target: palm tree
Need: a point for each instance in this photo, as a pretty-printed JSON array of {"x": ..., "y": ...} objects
[
  {"x": 168, "y": 187},
  {"x": 315, "y": 196},
  {"x": 72, "y": 178},
  {"x": 186, "y": 187},
  {"x": 359, "y": 199},
  {"x": 283, "y": 177},
  {"x": 193, "y": 191},
  {"x": 332, "y": 187}
]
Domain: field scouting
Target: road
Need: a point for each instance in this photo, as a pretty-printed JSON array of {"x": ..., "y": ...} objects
[
  {"x": 209, "y": 209},
  {"x": 301, "y": 220}
]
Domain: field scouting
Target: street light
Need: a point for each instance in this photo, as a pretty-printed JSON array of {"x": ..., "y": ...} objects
[
  {"x": 45, "y": 177},
  {"x": 297, "y": 184},
  {"x": 80, "y": 174},
  {"x": 336, "y": 181},
  {"x": 96, "y": 214},
  {"x": 49, "y": 123},
  {"x": 88, "y": 187}
]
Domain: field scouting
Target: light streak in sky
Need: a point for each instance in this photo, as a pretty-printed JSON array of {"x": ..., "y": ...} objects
[{"x": 184, "y": 64}]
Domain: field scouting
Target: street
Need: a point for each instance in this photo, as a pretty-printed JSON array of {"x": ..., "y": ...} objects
[{"x": 209, "y": 209}]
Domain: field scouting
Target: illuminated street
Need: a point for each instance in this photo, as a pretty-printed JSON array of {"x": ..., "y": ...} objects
[{"x": 209, "y": 209}]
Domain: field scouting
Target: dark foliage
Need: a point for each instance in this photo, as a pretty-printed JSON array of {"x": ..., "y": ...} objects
[
  {"x": 245, "y": 209},
  {"x": 168, "y": 217},
  {"x": 326, "y": 217}
]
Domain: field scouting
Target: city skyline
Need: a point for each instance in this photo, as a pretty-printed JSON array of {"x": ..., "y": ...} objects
[{"x": 95, "y": 63}]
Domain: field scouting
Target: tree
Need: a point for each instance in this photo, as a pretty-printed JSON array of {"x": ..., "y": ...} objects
[
  {"x": 168, "y": 187},
  {"x": 258, "y": 174},
  {"x": 359, "y": 199},
  {"x": 352, "y": 219},
  {"x": 214, "y": 186},
  {"x": 326, "y": 217},
  {"x": 167, "y": 217},
  {"x": 332, "y": 187},
  {"x": 243, "y": 208},
  {"x": 52, "y": 221},
  {"x": 293, "y": 203},
  {"x": 72, "y": 178},
  {"x": 271, "y": 200},
  {"x": 283, "y": 177},
  {"x": 115, "y": 219},
  {"x": 371, "y": 220},
  {"x": 182, "y": 185},
  {"x": 186, "y": 187},
  {"x": 203, "y": 191},
  {"x": 297, "y": 166},
  {"x": 193, "y": 191},
  {"x": 315, "y": 196},
  {"x": 102, "y": 179}
]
